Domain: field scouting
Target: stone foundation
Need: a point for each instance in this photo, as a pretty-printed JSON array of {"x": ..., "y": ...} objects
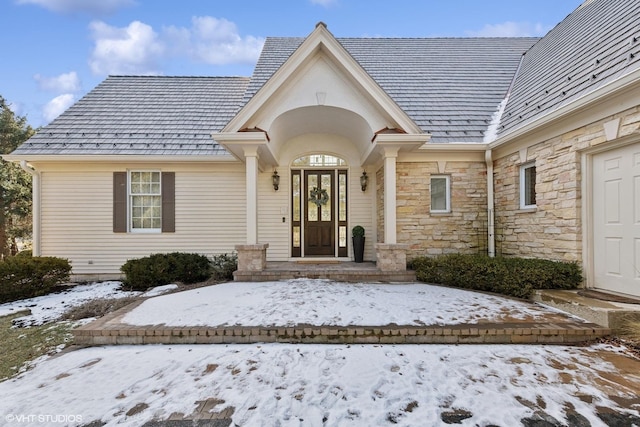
[
  {"x": 252, "y": 257},
  {"x": 391, "y": 257}
]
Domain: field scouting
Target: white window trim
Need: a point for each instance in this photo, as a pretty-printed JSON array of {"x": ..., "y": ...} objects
[
  {"x": 523, "y": 186},
  {"x": 447, "y": 194},
  {"x": 130, "y": 204}
]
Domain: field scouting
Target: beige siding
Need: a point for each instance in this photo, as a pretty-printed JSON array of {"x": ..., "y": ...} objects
[
  {"x": 77, "y": 215},
  {"x": 362, "y": 211},
  {"x": 272, "y": 207}
]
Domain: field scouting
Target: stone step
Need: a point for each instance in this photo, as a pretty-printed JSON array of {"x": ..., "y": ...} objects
[
  {"x": 329, "y": 269},
  {"x": 340, "y": 276},
  {"x": 610, "y": 314}
]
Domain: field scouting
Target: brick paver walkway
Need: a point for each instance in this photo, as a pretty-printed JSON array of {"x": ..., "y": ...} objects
[{"x": 557, "y": 329}]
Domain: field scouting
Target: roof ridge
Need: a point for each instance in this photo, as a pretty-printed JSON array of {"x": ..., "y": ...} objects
[
  {"x": 142, "y": 76},
  {"x": 412, "y": 38}
]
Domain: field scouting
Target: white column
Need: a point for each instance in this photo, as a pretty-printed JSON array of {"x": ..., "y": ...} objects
[
  {"x": 251, "y": 164},
  {"x": 390, "y": 155}
]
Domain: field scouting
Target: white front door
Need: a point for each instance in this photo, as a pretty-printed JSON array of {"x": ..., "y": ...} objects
[{"x": 616, "y": 220}]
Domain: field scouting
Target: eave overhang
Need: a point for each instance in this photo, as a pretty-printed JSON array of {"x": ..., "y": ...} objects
[
  {"x": 386, "y": 144},
  {"x": 118, "y": 158},
  {"x": 240, "y": 144}
]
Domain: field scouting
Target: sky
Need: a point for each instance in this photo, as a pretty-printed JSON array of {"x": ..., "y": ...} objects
[{"x": 56, "y": 51}]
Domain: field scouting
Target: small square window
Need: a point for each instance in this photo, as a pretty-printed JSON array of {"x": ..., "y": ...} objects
[
  {"x": 528, "y": 186},
  {"x": 440, "y": 193}
]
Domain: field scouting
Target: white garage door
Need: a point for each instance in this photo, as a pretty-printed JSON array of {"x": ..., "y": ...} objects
[{"x": 616, "y": 219}]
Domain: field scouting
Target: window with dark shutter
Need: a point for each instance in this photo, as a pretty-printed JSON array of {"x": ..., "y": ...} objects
[
  {"x": 168, "y": 202},
  {"x": 144, "y": 201}
]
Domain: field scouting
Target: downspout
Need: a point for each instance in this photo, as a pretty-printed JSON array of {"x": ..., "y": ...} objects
[
  {"x": 490, "y": 136},
  {"x": 35, "y": 185},
  {"x": 491, "y": 237}
]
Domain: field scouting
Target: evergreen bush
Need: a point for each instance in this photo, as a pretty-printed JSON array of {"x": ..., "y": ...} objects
[
  {"x": 27, "y": 277},
  {"x": 224, "y": 265},
  {"x": 163, "y": 269},
  {"x": 517, "y": 277}
]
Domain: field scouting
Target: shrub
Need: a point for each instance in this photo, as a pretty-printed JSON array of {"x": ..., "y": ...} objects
[
  {"x": 162, "y": 269},
  {"x": 27, "y": 277},
  {"x": 357, "y": 231},
  {"x": 516, "y": 277},
  {"x": 223, "y": 266},
  {"x": 189, "y": 268}
]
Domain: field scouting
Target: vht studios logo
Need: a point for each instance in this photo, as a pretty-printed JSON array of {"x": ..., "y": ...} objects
[{"x": 43, "y": 418}]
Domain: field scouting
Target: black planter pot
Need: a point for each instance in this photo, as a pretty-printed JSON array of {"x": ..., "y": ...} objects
[{"x": 358, "y": 248}]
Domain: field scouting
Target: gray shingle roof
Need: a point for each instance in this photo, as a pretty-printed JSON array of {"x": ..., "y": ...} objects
[
  {"x": 598, "y": 43},
  {"x": 144, "y": 115},
  {"x": 449, "y": 86}
]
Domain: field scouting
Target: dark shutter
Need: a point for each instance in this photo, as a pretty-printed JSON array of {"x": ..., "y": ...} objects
[
  {"x": 168, "y": 202},
  {"x": 119, "y": 202}
]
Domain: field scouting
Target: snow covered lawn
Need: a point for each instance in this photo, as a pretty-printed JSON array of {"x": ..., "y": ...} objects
[
  {"x": 326, "y": 385},
  {"x": 51, "y": 307},
  {"x": 323, "y": 302},
  {"x": 320, "y": 385}
]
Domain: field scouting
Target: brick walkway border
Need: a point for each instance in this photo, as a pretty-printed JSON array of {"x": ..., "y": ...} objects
[{"x": 110, "y": 331}]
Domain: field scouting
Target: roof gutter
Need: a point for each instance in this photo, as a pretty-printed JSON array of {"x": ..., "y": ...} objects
[
  {"x": 130, "y": 158},
  {"x": 36, "y": 206}
]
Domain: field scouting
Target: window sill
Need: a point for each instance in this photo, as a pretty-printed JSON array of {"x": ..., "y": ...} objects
[
  {"x": 441, "y": 213},
  {"x": 528, "y": 209}
]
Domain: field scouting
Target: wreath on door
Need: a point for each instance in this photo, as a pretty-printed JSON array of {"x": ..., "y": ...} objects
[{"x": 318, "y": 196}]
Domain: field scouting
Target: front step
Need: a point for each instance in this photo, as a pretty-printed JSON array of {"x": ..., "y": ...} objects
[
  {"x": 365, "y": 276},
  {"x": 329, "y": 269},
  {"x": 608, "y": 314}
]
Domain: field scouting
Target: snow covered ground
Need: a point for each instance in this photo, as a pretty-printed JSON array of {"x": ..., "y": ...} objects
[
  {"x": 320, "y": 385},
  {"x": 50, "y": 307},
  {"x": 323, "y": 385},
  {"x": 323, "y": 302}
]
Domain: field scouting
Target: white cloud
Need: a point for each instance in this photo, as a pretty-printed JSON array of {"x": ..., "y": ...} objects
[
  {"x": 325, "y": 3},
  {"x": 64, "y": 83},
  {"x": 92, "y": 7},
  {"x": 16, "y": 107},
  {"x": 213, "y": 41},
  {"x": 57, "y": 106},
  {"x": 138, "y": 49},
  {"x": 134, "y": 49},
  {"x": 511, "y": 29}
]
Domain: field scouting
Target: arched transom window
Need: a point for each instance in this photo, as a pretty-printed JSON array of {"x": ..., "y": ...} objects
[{"x": 319, "y": 160}]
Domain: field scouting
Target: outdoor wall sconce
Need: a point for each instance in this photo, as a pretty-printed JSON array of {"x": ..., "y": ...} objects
[
  {"x": 364, "y": 180},
  {"x": 275, "y": 179}
]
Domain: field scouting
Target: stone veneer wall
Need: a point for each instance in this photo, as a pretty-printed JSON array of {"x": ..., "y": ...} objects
[
  {"x": 553, "y": 230},
  {"x": 463, "y": 230}
]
